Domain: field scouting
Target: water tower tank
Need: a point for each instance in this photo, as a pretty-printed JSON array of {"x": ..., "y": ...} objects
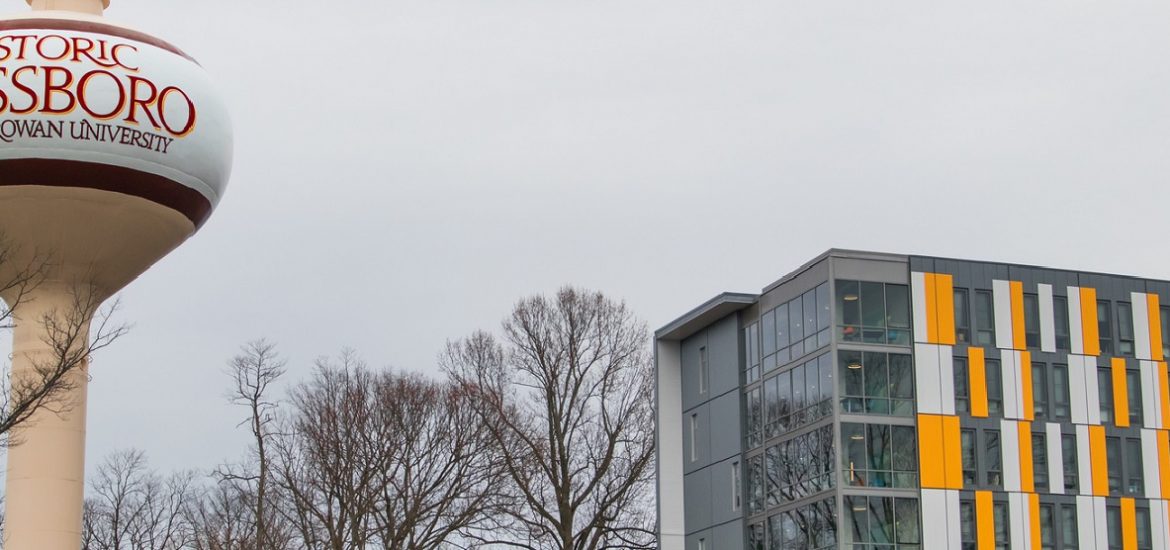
[{"x": 114, "y": 149}]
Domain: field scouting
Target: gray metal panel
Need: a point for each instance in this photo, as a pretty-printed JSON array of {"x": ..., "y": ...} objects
[
  {"x": 725, "y": 427},
  {"x": 721, "y": 493},
  {"x": 702, "y": 447},
  {"x": 697, "y": 493},
  {"x": 690, "y": 370},
  {"x": 884, "y": 271},
  {"x": 723, "y": 353},
  {"x": 729, "y": 536}
]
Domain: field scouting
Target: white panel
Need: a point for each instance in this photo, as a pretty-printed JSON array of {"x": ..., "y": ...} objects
[
  {"x": 1085, "y": 481},
  {"x": 1092, "y": 389},
  {"x": 1047, "y": 319},
  {"x": 1151, "y": 405},
  {"x": 953, "y": 524},
  {"x": 935, "y": 520},
  {"x": 1076, "y": 389},
  {"x": 1141, "y": 325},
  {"x": 1159, "y": 528},
  {"x": 1150, "y": 464},
  {"x": 1002, "y": 296},
  {"x": 1010, "y": 443},
  {"x": 1075, "y": 330},
  {"x": 1009, "y": 365},
  {"x": 1086, "y": 527},
  {"x": 1055, "y": 458},
  {"x": 1019, "y": 524},
  {"x": 946, "y": 373},
  {"x": 918, "y": 299},
  {"x": 926, "y": 371},
  {"x": 1099, "y": 524},
  {"x": 671, "y": 528}
]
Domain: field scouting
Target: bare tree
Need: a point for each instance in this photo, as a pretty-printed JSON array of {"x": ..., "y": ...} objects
[
  {"x": 132, "y": 507},
  {"x": 253, "y": 372},
  {"x": 568, "y": 399},
  {"x": 384, "y": 460},
  {"x": 71, "y": 335},
  {"x": 222, "y": 518}
]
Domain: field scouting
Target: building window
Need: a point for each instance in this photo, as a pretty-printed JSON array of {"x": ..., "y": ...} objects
[
  {"x": 1133, "y": 391},
  {"x": 755, "y": 485},
  {"x": 967, "y": 525},
  {"x": 1061, "y": 328},
  {"x": 1105, "y": 327},
  {"x": 1031, "y": 321},
  {"x": 1113, "y": 464},
  {"x": 1040, "y": 390},
  {"x": 970, "y": 457},
  {"x": 801, "y": 466},
  {"x": 1164, "y": 317},
  {"x": 812, "y": 527},
  {"x": 881, "y": 522},
  {"x": 1113, "y": 527},
  {"x": 994, "y": 456},
  {"x": 962, "y": 317},
  {"x": 736, "y": 487},
  {"x": 962, "y": 386},
  {"x": 704, "y": 369},
  {"x": 1002, "y": 533},
  {"x": 756, "y": 540},
  {"x": 1060, "y": 392},
  {"x": 694, "y": 437},
  {"x": 873, "y": 313},
  {"x": 796, "y": 327},
  {"x": 1068, "y": 454},
  {"x": 702, "y": 544},
  {"x": 994, "y": 373},
  {"x": 754, "y": 418},
  {"x": 876, "y": 383},
  {"x": 879, "y": 455},
  {"x": 1105, "y": 393},
  {"x": 799, "y": 396},
  {"x": 1040, "y": 462},
  {"x": 1068, "y": 527},
  {"x": 1144, "y": 539},
  {"x": 1047, "y": 541},
  {"x": 984, "y": 319},
  {"x": 1125, "y": 329},
  {"x": 1134, "y": 482}
]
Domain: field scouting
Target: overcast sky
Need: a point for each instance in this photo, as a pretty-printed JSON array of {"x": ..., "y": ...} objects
[{"x": 406, "y": 170}]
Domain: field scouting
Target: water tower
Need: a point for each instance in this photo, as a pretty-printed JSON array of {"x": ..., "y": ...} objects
[{"x": 114, "y": 149}]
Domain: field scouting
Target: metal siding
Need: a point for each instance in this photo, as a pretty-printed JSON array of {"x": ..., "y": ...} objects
[
  {"x": 1047, "y": 319},
  {"x": 1076, "y": 334},
  {"x": 935, "y": 520},
  {"x": 1092, "y": 389},
  {"x": 954, "y": 527},
  {"x": 1150, "y": 464},
  {"x": 1159, "y": 528},
  {"x": 1086, "y": 526},
  {"x": 918, "y": 300},
  {"x": 1099, "y": 524},
  {"x": 1010, "y": 443},
  {"x": 1018, "y": 520},
  {"x": 1084, "y": 462},
  {"x": 1141, "y": 325},
  {"x": 926, "y": 370},
  {"x": 1002, "y": 302},
  {"x": 1009, "y": 366},
  {"x": 1055, "y": 458},
  {"x": 1078, "y": 404},
  {"x": 1151, "y": 401},
  {"x": 946, "y": 373}
]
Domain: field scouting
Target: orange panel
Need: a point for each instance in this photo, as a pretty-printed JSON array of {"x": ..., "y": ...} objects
[
  {"x": 1164, "y": 393},
  {"x": 1017, "y": 293},
  {"x": 977, "y": 372},
  {"x": 1155, "y": 316},
  {"x": 1091, "y": 337},
  {"x": 1026, "y": 385},
  {"x": 1120, "y": 394},
  {"x": 945, "y": 304},
  {"x": 985, "y": 520},
  {"x": 952, "y": 453},
  {"x": 1027, "y": 479},
  {"x": 930, "y": 451},
  {"x": 1034, "y": 509},
  {"x": 1164, "y": 460},
  {"x": 1128, "y": 524},
  {"x": 931, "y": 308},
  {"x": 1097, "y": 461}
]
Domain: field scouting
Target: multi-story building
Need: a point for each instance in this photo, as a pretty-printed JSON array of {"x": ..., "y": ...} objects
[{"x": 882, "y": 402}]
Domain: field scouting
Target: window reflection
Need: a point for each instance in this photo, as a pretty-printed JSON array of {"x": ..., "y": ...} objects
[
  {"x": 876, "y": 383},
  {"x": 873, "y": 313},
  {"x": 879, "y": 455},
  {"x": 796, "y": 327},
  {"x": 809, "y": 527},
  {"x": 799, "y": 396},
  {"x": 883, "y": 523}
]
